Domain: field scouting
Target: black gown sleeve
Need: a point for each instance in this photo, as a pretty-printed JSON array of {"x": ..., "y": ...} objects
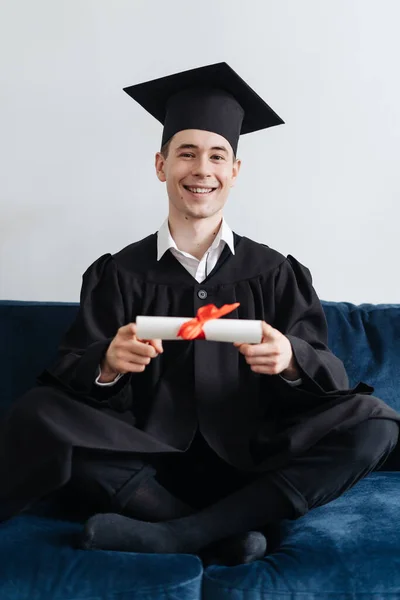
[
  {"x": 301, "y": 318},
  {"x": 101, "y": 313}
]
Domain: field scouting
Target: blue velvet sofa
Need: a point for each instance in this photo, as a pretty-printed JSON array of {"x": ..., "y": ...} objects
[{"x": 348, "y": 549}]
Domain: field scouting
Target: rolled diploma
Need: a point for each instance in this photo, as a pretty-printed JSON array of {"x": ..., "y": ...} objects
[{"x": 244, "y": 331}]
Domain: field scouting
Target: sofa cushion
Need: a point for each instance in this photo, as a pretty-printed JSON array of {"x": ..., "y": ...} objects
[
  {"x": 39, "y": 560},
  {"x": 347, "y": 549}
]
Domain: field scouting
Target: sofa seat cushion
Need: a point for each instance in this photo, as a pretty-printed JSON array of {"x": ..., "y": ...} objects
[
  {"x": 40, "y": 560},
  {"x": 347, "y": 549}
]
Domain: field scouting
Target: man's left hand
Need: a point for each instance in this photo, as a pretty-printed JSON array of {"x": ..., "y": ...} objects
[{"x": 272, "y": 356}]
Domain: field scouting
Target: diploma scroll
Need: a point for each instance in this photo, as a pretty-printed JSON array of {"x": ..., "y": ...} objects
[{"x": 244, "y": 331}]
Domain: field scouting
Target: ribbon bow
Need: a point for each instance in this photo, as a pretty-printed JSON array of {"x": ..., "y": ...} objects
[{"x": 193, "y": 329}]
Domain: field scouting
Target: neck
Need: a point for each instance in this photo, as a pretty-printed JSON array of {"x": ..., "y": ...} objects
[{"x": 194, "y": 236}]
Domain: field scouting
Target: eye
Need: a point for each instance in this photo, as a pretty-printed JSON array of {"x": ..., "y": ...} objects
[
  {"x": 186, "y": 154},
  {"x": 217, "y": 156}
]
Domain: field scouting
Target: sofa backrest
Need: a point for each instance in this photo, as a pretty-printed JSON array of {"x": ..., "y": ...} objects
[
  {"x": 365, "y": 337},
  {"x": 29, "y": 336}
]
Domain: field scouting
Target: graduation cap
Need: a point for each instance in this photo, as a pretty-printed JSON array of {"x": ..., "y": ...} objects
[{"x": 213, "y": 98}]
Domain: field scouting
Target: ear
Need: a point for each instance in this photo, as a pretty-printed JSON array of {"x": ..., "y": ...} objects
[
  {"x": 235, "y": 171},
  {"x": 160, "y": 165}
]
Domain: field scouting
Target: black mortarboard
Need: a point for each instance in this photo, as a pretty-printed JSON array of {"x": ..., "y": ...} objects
[{"x": 213, "y": 98}]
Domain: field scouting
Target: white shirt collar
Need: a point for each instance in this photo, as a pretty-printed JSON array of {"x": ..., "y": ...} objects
[{"x": 165, "y": 240}]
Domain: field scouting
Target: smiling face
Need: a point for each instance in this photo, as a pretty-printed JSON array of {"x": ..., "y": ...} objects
[{"x": 199, "y": 171}]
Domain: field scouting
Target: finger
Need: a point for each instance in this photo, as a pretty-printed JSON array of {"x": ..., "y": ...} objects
[
  {"x": 267, "y": 332},
  {"x": 243, "y": 348},
  {"x": 129, "y": 367},
  {"x": 157, "y": 344},
  {"x": 126, "y": 355},
  {"x": 128, "y": 331},
  {"x": 260, "y": 360},
  {"x": 133, "y": 358},
  {"x": 266, "y": 349},
  {"x": 144, "y": 348},
  {"x": 264, "y": 370}
]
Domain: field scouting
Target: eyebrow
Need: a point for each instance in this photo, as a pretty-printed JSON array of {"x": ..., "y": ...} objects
[{"x": 185, "y": 146}]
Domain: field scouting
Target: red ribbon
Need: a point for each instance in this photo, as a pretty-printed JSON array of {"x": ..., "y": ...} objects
[{"x": 193, "y": 329}]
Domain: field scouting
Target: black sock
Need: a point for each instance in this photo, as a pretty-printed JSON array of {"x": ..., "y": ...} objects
[
  {"x": 239, "y": 549},
  {"x": 253, "y": 506}
]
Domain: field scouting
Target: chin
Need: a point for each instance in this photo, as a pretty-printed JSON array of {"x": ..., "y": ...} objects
[{"x": 202, "y": 214}]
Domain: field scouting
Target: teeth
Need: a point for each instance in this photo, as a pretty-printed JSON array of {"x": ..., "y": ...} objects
[{"x": 200, "y": 190}]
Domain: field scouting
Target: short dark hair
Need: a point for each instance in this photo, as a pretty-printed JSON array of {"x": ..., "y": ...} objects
[{"x": 165, "y": 150}]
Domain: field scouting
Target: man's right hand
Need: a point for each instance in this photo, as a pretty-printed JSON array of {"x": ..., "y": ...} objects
[{"x": 128, "y": 354}]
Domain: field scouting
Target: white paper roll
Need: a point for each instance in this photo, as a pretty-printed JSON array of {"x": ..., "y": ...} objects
[
  {"x": 163, "y": 328},
  {"x": 244, "y": 331}
]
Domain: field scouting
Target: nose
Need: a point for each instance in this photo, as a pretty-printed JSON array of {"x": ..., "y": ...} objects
[{"x": 202, "y": 167}]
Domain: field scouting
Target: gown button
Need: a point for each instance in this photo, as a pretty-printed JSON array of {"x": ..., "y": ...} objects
[{"x": 202, "y": 294}]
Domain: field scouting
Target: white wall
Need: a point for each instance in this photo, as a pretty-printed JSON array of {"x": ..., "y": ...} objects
[{"x": 76, "y": 153}]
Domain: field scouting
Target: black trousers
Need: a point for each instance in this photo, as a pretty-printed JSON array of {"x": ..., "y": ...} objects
[{"x": 104, "y": 481}]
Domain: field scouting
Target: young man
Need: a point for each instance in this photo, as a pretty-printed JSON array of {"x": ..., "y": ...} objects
[{"x": 195, "y": 446}]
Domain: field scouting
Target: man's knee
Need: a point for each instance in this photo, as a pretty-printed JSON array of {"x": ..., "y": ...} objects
[
  {"x": 371, "y": 441},
  {"x": 105, "y": 474}
]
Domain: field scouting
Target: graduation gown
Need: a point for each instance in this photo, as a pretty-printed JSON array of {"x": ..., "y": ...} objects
[{"x": 253, "y": 421}]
